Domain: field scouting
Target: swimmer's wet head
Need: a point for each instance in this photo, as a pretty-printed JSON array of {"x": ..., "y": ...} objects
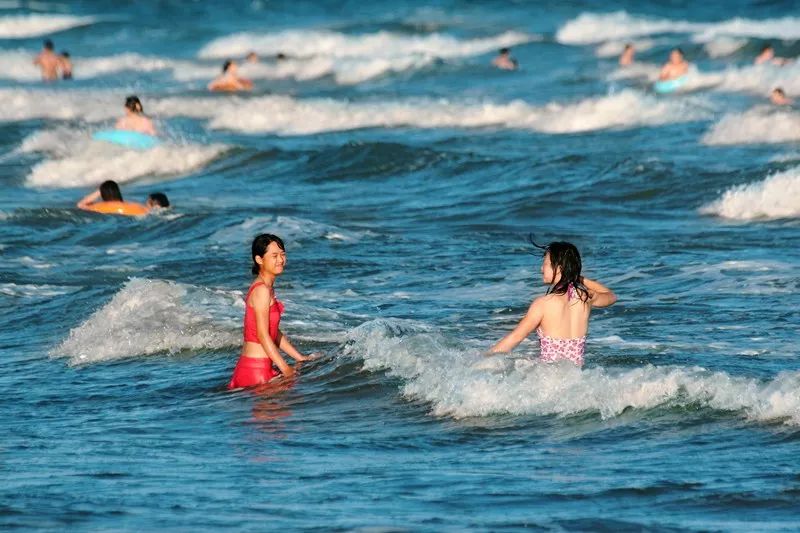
[
  {"x": 504, "y": 51},
  {"x": 133, "y": 105},
  {"x": 269, "y": 255},
  {"x": 157, "y": 199},
  {"x": 48, "y": 45},
  {"x": 676, "y": 55},
  {"x": 227, "y": 65},
  {"x": 561, "y": 267},
  {"x": 109, "y": 191}
]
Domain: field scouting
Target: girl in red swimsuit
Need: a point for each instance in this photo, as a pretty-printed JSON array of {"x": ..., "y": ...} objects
[{"x": 262, "y": 317}]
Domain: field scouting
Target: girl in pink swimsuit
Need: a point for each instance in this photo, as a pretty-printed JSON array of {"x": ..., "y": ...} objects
[
  {"x": 262, "y": 317},
  {"x": 561, "y": 316}
]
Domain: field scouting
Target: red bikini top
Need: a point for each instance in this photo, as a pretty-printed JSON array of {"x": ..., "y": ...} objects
[{"x": 250, "y": 329}]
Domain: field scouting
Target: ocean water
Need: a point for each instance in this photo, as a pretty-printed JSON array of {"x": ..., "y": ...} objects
[{"x": 405, "y": 175}]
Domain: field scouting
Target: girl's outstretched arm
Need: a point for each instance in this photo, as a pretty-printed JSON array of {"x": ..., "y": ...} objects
[
  {"x": 529, "y": 322},
  {"x": 599, "y": 294},
  {"x": 288, "y": 348}
]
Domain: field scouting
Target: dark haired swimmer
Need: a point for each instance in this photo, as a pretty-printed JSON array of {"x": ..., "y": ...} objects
[
  {"x": 778, "y": 97},
  {"x": 107, "y": 199},
  {"x": 504, "y": 60},
  {"x": 560, "y": 317},
  {"x": 263, "y": 337},
  {"x": 676, "y": 67},
  {"x": 767, "y": 55},
  {"x": 229, "y": 80},
  {"x": 627, "y": 56},
  {"x": 157, "y": 200},
  {"x": 135, "y": 119},
  {"x": 65, "y": 63},
  {"x": 48, "y": 62}
]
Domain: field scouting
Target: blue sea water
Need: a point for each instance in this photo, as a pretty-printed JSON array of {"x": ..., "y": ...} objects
[{"x": 405, "y": 174}]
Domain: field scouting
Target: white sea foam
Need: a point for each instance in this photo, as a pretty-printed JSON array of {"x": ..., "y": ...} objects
[
  {"x": 778, "y": 196},
  {"x": 286, "y": 115},
  {"x": 723, "y": 46},
  {"x": 17, "y": 65},
  {"x": 154, "y": 316},
  {"x": 615, "y": 48},
  {"x": 293, "y": 230},
  {"x": 589, "y": 28},
  {"x": 755, "y": 126},
  {"x": 82, "y": 162},
  {"x": 307, "y": 43},
  {"x": 460, "y": 382},
  {"x": 32, "y": 291},
  {"x": 344, "y": 71},
  {"x": 24, "y": 26}
]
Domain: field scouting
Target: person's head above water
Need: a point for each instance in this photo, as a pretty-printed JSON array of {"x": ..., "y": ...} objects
[
  {"x": 229, "y": 66},
  {"x": 504, "y": 51},
  {"x": 109, "y": 191},
  {"x": 676, "y": 55},
  {"x": 766, "y": 48},
  {"x": 133, "y": 104},
  {"x": 269, "y": 255},
  {"x": 628, "y": 46},
  {"x": 252, "y": 57},
  {"x": 157, "y": 199},
  {"x": 48, "y": 44},
  {"x": 777, "y": 91},
  {"x": 561, "y": 267},
  {"x": 65, "y": 54}
]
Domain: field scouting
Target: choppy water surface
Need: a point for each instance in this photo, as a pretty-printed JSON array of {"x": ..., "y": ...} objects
[{"x": 405, "y": 174}]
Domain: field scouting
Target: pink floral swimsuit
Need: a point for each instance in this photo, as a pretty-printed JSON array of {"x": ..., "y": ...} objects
[{"x": 553, "y": 349}]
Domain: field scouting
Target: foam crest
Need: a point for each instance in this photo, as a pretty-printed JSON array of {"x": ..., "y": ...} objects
[
  {"x": 615, "y": 48},
  {"x": 89, "y": 106},
  {"x": 18, "y": 66},
  {"x": 288, "y": 116},
  {"x": 23, "y": 26},
  {"x": 723, "y": 46},
  {"x": 285, "y": 115},
  {"x": 383, "y": 44},
  {"x": 81, "y": 161},
  {"x": 153, "y": 316},
  {"x": 292, "y": 229},
  {"x": 460, "y": 382},
  {"x": 344, "y": 71},
  {"x": 755, "y": 126},
  {"x": 778, "y": 196},
  {"x": 589, "y": 28}
]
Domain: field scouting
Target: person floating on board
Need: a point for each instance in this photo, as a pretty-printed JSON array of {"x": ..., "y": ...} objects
[
  {"x": 560, "y": 317},
  {"x": 263, "y": 338},
  {"x": 504, "y": 60},
  {"x": 627, "y": 56},
  {"x": 676, "y": 67},
  {"x": 135, "y": 119},
  {"x": 778, "y": 97},
  {"x": 48, "y": 62},
  {"x": 229, "y": 80},
  {"x": 107, "y": 199}
]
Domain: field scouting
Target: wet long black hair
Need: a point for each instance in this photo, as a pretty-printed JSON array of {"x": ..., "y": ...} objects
[
  {"x": 134, "y": 104},
  {"x": 564, "y": 256},
  {"x": 109, "y": 191},
  {"x": 260, "y": 245}
]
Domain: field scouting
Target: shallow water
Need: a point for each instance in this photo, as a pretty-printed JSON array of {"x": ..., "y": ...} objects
[{"x": 405, "y": 175}]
